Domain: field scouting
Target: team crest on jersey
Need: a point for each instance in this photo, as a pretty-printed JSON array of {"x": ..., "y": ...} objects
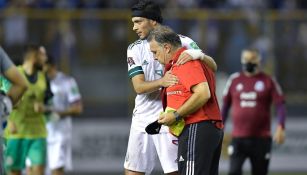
[
  {"x": 259, "y": 86},
  {"x": 130, "y": 61},
  {"x": 145, "y": 62},
  {"x": 239, "y": 87}
]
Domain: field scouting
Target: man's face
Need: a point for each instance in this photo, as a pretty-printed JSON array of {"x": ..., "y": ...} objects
[
  {"x": 142, "y": 26},
  {"x": 250, "y": 62},
  {"x": 158, "y": 51}
]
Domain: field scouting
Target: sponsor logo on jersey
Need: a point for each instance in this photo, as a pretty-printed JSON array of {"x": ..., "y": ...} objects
[
  {"x": 174, "y": 93},
  {"x": 248, "y": 99},
  {"x": 130, "y": 61}
]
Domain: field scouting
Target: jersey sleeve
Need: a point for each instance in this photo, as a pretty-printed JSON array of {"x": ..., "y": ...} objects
[
  {"x": 73, "y": 93},
  {"x": 277, "y": 94},
  {"x": 134, "y": 61},
  {"x": 5, "y": 61},
  {"x": 188, "y": 42},
  {"x": 190, "y": 74}
]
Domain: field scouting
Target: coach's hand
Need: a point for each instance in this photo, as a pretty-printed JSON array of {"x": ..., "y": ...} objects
[
  {"x": 169, "y": 79},
  {"x": 167, "y": 118},
  {"x": 279, "y": 136}
]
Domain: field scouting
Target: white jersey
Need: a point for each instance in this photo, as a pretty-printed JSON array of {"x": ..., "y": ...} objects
[
  {"x": 141, "y": 61},
  {"x": 65, "y": 91}
]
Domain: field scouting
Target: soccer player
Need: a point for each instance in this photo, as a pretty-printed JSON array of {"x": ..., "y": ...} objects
[
  {"x": 251, "y": 93},
  {"x": 193, "y": 98},
  {"x": 147, "y": 78},
  {"x": 18, "y": 87},
  {"x": 66, "y": 102},
  {"x": 26, "y": 131}
]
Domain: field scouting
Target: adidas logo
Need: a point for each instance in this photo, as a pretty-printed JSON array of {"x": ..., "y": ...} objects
[
  {"x": 181, "y": 159},
  {"x": 145, "y": 63}
]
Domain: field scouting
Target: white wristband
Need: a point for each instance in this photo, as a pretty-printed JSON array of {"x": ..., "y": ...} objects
[{"x": 195, "y": 53}]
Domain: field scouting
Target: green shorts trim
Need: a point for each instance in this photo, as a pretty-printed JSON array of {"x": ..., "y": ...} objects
[{"x": 18, "y": 150}]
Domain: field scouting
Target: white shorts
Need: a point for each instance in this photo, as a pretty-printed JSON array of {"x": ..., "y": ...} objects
[
  {"x": 144, "y": 149},
  {"x": 59, "y": 154}
]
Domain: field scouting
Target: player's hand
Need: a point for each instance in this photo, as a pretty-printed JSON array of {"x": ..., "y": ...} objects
[
  {"x": 39, "y": 107},
  {"x": 167, "y": 119},
  {"x": 279, "y": 136},
  {"x": 169, "y": 79},
  {"x": 183, "y": 58},
  {"x": 12, "y": 127}
]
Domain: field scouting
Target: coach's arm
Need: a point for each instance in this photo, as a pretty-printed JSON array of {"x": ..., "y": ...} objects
[{"x": 201, "y": 94}]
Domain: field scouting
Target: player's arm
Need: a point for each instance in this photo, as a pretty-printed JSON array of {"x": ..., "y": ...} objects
[
  {"x": 75, "y": 101},
  {"x": 18, "y": 86},
  {"x": 74, "y": 109},
  {"x": 194, "y": 53},
  {"x": 136, "y": 74},
  {"x": 142, "y": 86},
  {"x": 279, "y": 100}
]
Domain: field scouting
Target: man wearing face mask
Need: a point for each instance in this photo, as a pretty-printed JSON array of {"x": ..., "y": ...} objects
[{"x": 251, "y": 93}]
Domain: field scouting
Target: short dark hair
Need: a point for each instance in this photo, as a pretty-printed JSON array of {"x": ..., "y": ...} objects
[
  {"x": 147, "y": 9},
  {"x": 51, "y": 60},
  {"x": 164, "y": 34},
  {"x": 30, "y": 48},
  {"x": 252, "y": 49}
]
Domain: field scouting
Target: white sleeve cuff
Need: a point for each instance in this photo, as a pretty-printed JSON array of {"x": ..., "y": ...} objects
[{"x": 195, "y": 53}]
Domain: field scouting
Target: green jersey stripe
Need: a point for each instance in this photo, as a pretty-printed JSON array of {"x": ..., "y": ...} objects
[
  {"x": 137, "y": 68},
  {"x": 132, "y": 74}
]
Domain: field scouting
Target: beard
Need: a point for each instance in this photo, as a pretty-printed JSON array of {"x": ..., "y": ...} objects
[{"x": 38, "y": 66}]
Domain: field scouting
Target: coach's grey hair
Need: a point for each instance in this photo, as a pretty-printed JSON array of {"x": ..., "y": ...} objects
[{"x": 164, "y": 34}]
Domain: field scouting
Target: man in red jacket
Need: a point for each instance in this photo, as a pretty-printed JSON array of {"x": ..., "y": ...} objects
[{"x": 194, "y": 100}]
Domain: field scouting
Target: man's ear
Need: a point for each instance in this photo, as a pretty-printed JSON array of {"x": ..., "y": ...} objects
[
  {"x": 167, "y": 48},
  {"x": 153, "y": 22}
]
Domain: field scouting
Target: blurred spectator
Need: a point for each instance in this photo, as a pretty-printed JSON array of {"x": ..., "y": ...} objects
[{"x": 250, "y": 93}]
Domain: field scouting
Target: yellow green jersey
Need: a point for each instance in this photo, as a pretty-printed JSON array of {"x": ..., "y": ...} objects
[{"x": 28, "y": 123}]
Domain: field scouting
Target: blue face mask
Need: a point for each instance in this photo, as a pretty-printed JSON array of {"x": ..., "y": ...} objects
[{"x": 249, "y": 67}]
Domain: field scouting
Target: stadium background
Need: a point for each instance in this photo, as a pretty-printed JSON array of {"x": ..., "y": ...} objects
[{"x": 89, "y": 38}]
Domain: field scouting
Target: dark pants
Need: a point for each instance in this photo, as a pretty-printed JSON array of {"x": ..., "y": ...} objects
[
  {"x": 199, "y": 149},
  {"x": 258, "y": 150}
]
